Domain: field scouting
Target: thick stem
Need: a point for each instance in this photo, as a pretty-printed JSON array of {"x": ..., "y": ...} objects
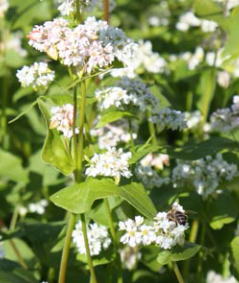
[
  {"x": 131, "y": 137},
  {"x": 89, "y": 259},
  {"x": 106, "y": 10},
  {"x": 66, "y": 249},
  {"x": 74, "y": 131},
  {"x": 151, "y": 129},
  {"x": 177, "y": 273}
]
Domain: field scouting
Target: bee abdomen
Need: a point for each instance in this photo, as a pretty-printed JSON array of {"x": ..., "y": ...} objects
[{"x": 181, "y": 218}]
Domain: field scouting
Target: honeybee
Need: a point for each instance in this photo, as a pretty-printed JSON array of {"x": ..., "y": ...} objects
[{"x": 177, "y": 216}]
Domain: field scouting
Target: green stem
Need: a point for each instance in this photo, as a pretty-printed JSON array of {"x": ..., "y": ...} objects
[
  {"x": 78, "y": 14},
  {"x": 131, "y": 136},
  {"x": 66, "y": 249},
  {"x": 151, "y": 129},
  {"x": 14, "y": 219},
  {"x": 89, "y": 259},
  {"x": 200, "y": 261},
  {"x": 114, "y": 238},
  {"x": 177, "y": 273},
  {"x": 74, "y": 131}
]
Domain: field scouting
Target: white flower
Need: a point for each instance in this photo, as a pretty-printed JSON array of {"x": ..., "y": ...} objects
[
  {"x": 208, "y": 26},
  {"x": 132, "y": 237},
  {"x": 223, "y": 79},
  {"x": 193, "y": 119},
  {"x": 36, "y": 75},
  {"x": 38, "y": 207},
  {"x": 4, "y": 5},
  {"x": 98, "y": 238},
  {"x": 62, "y": 119},
  {"x": 187, "y": 20},
  {"x": 23, "y": 210},
  {"x": 112, "y": 163},
  {"x": 14, "y": 42},
  {"x": 155, "y": 160},
  {"x": 169, "y": 118},
  {"x": 213, "y": 277},
  {"x": 129, "y": 257}
]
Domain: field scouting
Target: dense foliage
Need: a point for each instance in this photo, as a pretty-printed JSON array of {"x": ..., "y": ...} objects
[{"x": 119, "y": 141}]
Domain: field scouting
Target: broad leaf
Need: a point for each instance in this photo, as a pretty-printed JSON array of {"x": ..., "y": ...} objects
[
  {"x": 80, "y": 197},
  {"x": 54, "y": 151},
  {"x": 11, "y": 168},
  {"x": 142, "y": 151},
  {"x": 178, "y": 253},
  {"x": 112, "y": 116}
]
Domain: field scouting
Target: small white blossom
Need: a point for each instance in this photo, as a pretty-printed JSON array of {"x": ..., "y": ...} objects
[
  {"x": 213, "y": 277},
  {"x": 62, "y": 119},
  {"x": 155, "y": 160},
  {"x": 38, "y": 207},
  {"x": 193, "y": 119},
  {"x": 112, "y": 163},
  {"x": 4, "y": 5},
  {"x": 223, "y": 79},
  {"x": 129, "y": 257},
  {"x": 98, "y": 238},
  {"x": 169, "y": 118},
  {"x": 36, "y": 75}
]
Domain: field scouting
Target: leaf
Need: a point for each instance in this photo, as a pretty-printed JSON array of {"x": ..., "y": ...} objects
[
  {"x": 178, "y": 253},
  {"x": 80, "y": 197},
  {"x": 234, "y": 258},
  {"x": 54, "y": 151},
  {"x": 11, "y": 168},
  {"x": 208, "y": 147},
  {"x": 24, "y": 112},
  {"x": 11, "y": 271},
  {"x": 112, "y": 116},
  {"x": 222, "y": 210},
  {"x": 142, "y": 151}
]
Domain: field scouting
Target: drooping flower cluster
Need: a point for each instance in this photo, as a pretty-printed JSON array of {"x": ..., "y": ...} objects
[
  {"x": 163, "y": 232},
  {"x": 98, "y": 238},
  {"x": 113, "y": 134},
  {"x": 37, "y": 75},
  {"x": 62, "y": 119},
  {"x": 169, "y": 118},
  {"x": 91, "y": 45},
  {"x": 226, "y": 119},
  {"x": 4, "y": 5},
  {"x": 188, "y": 20},
  {"x": 2, "y": 251},
  {"x": 127, "y": 92},
  {"x": 203, "y": 174},
  {"x": 146, "y": 172},
  {"x": 112, "y": 163},
  {"x": 37, "y": 207}
]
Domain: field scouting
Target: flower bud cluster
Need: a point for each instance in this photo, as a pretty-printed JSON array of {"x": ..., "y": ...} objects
[
  {"x": 226, "y": 119},
  {"x": 112, "y": 163},
  {"x": 36, "y": 75},
  {"x": 203, "y": 174},
  {"x": 98, "y": 238},
  {"x": 169, "y": 118},
  {"x": 62, "y": 119},
  {"x": 113, "y": 134},
  {"x": 91, "y": 45},
  {"x": 126, "y": 92},
  {"x": 162, "y": 232}
]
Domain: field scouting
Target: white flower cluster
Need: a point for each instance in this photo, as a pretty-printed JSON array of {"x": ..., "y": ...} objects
[
  {"x": 4, "y": 5},
  {"x": 188, "y": 20},
  {"x": 36, "y": 75},
  {"x": 2, "y": 251},
  {"x": 149, "y": 177},
  {"x": 62, "y": 119},
  {"x": 169, "y": 118},
  {"x": 14, "y": 42},
  {"x": 112, "y": 163},
  {"x": 127, "y": 92},
  {"x": 163, "y": 232},
  {"x": 98, "y": 238},
  {"x": 223, "y": 79},
  {"x": 113, "y": 134},
  {"x": 203, "y": 174},
  {"x": 155, "y": 160},
  {"x": 129, "y": 257},
  {"x": 91, "y": 45},
  {"x": 213, "y": 277},
  {"x": 38, "y": 207},
  {"x": 230, "y": 4},
  {"x": 226, "y": 119},
  {"x": 69, "y": 6},
  {"x": 193, "y": 119}
]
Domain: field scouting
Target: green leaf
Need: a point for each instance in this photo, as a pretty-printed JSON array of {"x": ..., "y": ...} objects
[
  {"x": 112, "y": 116},
  {"x": 178, "y": 253},
  {"x": 208, "y": 147},
  {"x": 54, "y": 151},
  {"x": 222, "y": 210},
  {"x": 23, "y": 112},
  {"x": 142, "y": 151},
  {"x": 11, "y": 168},
  {"x": 234, "y": 258},
  {"x": 80, "y": 197},
  {"x": 11, "y": 271}
]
